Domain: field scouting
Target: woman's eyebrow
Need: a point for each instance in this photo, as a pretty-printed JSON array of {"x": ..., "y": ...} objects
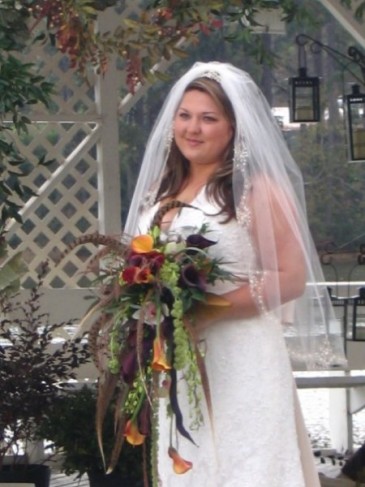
[{"x": 210, "y": 112}]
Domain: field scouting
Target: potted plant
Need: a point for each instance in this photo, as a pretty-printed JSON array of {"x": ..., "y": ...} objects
[
  {"x": 70, "y": 426},
  {"x": 31, "y": 366}
]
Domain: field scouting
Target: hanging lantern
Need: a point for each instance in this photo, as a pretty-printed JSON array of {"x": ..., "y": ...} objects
[
  {"x": 356, "y": 124},
  {"x": 304, "y": 98}
]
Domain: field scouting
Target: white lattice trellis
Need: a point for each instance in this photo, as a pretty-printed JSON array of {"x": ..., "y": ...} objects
[
  {"x": 79, "y": 192},
  {"x": 66, "y": 206}
]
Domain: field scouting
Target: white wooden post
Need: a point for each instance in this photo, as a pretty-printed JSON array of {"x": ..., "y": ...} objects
[{"x": 107, "y": 100}]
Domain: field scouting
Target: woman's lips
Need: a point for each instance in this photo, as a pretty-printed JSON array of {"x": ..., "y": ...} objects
[{"x": 193, "y": 142}]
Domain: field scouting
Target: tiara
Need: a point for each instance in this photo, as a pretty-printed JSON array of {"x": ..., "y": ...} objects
[{"x": 212, "y": 75}]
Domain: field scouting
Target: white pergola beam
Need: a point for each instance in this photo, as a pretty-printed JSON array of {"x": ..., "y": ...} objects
[{"x": 346, "y": 18}]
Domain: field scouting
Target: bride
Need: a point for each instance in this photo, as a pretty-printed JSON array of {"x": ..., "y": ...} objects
[{"x": 216, "y": 147}]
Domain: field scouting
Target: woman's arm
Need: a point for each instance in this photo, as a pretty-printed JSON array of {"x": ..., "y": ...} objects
[{"x": 284, "y": 273}]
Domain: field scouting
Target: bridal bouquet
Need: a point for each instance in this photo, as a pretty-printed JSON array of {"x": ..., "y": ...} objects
[{"x": 153, "y": 285}]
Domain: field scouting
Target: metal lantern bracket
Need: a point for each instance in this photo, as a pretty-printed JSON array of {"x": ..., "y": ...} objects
[
  {"x": 304, "y": 92},
  {"x": 356, "y": 123},
  {"x": 358, "y": 316},
  {"x": 349, "y": 304},
  {"x": 354, "y": 55}
]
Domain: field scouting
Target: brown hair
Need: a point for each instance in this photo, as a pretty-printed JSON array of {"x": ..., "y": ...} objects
[{"x": 219, "y": 186}]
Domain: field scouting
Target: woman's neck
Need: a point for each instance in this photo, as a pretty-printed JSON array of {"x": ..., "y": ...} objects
[{"x": 200, "y": 174}]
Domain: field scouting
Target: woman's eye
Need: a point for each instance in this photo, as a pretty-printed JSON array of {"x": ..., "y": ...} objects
[
  {"x": 183, "y": 115},
  {"x": 207, "y": 118}
]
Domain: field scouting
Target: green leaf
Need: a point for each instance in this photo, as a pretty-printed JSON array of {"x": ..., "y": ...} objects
[
  {"x": 132, "y": 24},
  {"x": 12, "y": 271},
  {"x": 180, "y": 52},
  {"x": 162, "y": 76}
]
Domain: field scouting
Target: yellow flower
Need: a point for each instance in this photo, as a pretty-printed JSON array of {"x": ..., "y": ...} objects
[
  {"x": 132, "y": 434},
  {"x": 159, "y": 361},
  {"x": 179, "y": 464},
  {"x": 142, "y": 244}
]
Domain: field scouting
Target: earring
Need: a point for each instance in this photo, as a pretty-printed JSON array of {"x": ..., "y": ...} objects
[
  {"x": 169, "y": 138},
  {"x": 240, "y": 156}
]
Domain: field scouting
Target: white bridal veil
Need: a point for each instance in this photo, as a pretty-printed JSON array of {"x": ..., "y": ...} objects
[{"x": 314, "y": 337}]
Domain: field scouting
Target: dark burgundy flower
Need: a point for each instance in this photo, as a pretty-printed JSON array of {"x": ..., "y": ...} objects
[
  {"x": 132, "y": 335},
  {"x": 129, "y": 274},
  {"x": 191, "y": 277},
  {"x": 144, "y": 418},
  {"x": 167, "y": 327},
  {"x": 147, "y": 345},
  {"x": 156, "y": 259},
  {"x": 199, "y": 241},
  {"x": 137, "y": 260},
  {"x": 129, "y": 366},
  {"x": 167, "y": 297}
]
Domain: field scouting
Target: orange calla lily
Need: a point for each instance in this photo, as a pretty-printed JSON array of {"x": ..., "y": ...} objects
[
  {"x": 142, "y": 244},
  {"x": 132, "y": 434},
  {"x": 159, "y": 361},
  {"x": 179, "y": 464}
]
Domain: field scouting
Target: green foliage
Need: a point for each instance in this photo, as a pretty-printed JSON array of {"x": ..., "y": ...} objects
[
  {"x": 31, "y": 365},
  {"x": 14, "y": 31},
  {"x": 10, "y": 273},
  {"x": 359, "y": 7},
  {"x": 20, "y": 88},
  {"x": 11, "y": 270},
  {"x": 70, "y": 426}
]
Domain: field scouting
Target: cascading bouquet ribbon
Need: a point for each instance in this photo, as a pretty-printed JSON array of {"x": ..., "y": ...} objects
[{"x": 143, "y": 339}]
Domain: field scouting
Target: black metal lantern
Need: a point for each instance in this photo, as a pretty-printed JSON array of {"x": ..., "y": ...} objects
[
  {"x": 304, "y": 98},
  {"x": 358, "y": 316},
  {"x": 356, "y": 124}
]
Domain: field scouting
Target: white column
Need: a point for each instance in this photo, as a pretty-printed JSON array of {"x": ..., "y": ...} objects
[
  {"x": 107, "y": 100},
  {"x": 340, "y": 420}
]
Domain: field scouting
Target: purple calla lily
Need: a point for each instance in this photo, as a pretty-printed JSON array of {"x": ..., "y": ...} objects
[
  {"x": 199, "y": 241},
  {"x": 129, "y": 366},
  {"x": 191, "y": 277},
  {"x": 144, "y": 418}
]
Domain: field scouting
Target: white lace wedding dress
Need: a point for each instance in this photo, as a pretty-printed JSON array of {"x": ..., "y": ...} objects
[{"x": 256, "y": 442}]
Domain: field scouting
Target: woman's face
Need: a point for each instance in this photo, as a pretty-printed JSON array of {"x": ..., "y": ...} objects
[{"x": 201, "y": 128}]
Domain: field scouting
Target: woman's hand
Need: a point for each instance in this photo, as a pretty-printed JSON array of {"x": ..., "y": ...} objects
[
  {"x": 232, "y": 305},
  {"x": 207, "y": 312}
]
